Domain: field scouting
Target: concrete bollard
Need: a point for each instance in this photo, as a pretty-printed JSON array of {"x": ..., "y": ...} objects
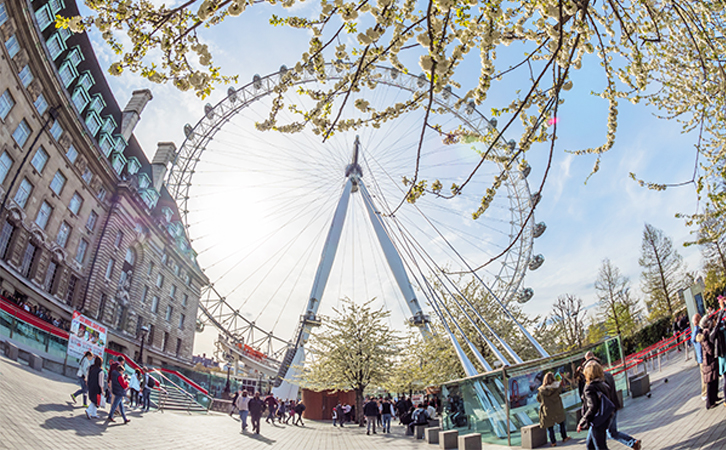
[
  {"x": 432, "y": 435},
  {"x": 36, "y": 362},
  {"x": 470, "y": 442},
  {"x": 448, "y": 439},
  {"x": 533, "y": 436},
  {"x": 11, "y": 351}
]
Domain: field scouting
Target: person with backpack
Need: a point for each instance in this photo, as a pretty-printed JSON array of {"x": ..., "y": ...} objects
[
  {"x": 419, "y": 417},
  {"x": 299, "y": 409},
  {"x": 551, "y": 409},
  {"x": 597, "y": 409},
  {"x": 149, "y": 384}
]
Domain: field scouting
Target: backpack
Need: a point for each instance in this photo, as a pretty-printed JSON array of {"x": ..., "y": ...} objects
[
  {"x": 604, "y": 412},
  {"x": 151, "y": 383}
]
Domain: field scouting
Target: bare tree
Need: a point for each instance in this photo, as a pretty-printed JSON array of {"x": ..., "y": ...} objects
[
  {"x": 568, "y": 318},
  {"x": 662, "y": 274},
  {"x": 616, "y": 306}
]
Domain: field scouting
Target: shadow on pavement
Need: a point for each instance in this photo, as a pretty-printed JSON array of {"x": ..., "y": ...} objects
[
  {"x": 55, "y": 407},
  {"x": 261, "y": 438},
  {"x": 81, "y": 425}
]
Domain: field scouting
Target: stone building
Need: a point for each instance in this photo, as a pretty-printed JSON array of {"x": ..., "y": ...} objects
[{"x": 85, "y": 220}]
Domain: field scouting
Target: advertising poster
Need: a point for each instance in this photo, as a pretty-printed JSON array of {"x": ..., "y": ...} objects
[
  {"x": 523, "y": 388},
  {"x": 85, "y": 335}
]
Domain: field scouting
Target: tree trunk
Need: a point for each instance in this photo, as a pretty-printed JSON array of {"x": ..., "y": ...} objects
[{"x": 359, "y": 406}]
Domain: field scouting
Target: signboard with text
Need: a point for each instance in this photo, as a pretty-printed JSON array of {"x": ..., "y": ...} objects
[{"x": 85, "y": 335}]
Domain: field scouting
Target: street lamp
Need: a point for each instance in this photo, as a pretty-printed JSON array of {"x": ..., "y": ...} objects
[
  {"x": 227, "y": 387},
  {"x": 144, "y": 330}
]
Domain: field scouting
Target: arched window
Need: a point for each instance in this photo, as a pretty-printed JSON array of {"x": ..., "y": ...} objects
[{"x": 130, "y": 257}]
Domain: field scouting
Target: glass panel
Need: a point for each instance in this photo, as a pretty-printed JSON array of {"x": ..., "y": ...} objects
[
  {"x": 41, "y": 104},
  {"x": 30, "y": 336},
  {"x": 12, "y": 46},
  {"x": 6, "y": 321},
  {"x": 6, "y": 104},
  {"x": 57, "y": 346}
]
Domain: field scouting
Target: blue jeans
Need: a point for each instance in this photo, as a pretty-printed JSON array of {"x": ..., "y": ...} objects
[
  {"x": 83, "y": 390},
  {"x": 386, "y": 422},
  {"x": 619, "y": 436},
  {"x": 145, "y": 400},
  {"x": 597, "y": 438},
  {"x": 243, "y": 417},
  {"x": 118, "y": 402},
  {"x": 563, "y": 433}
]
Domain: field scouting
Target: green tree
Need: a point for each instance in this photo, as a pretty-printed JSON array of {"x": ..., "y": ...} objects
[
  {"x": 617, "y": 308},
  {"x": 568, "y": 320},
  {"x": 355, "y": 350},
  {"x": 663, "y": 272}
]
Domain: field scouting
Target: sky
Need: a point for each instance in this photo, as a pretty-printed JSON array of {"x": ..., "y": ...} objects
[{"x": 588, "y": 219}]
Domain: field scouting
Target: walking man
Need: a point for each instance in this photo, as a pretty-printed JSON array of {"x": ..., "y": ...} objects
[
  {"x": 256, "y": 405},
  {"x": 299, "y": 409},
  {"x": 695, "y": 329},
  {"x": 82, "y": 375},
  {"x": 370, "y": 410},
  {"x": 271, "y": 408},
  {"x": 340, "y": 412},
  {"x": 243, "y": 406},
  {"x": 386, "y": 414}
]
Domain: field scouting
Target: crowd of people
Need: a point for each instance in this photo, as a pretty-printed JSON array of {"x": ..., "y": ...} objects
[
  {"x": 100, "y": 387},
  {"x": 38, "y": 311},
  {"x": 708, "y": 336},
  {"x": 254, "y": 407}
]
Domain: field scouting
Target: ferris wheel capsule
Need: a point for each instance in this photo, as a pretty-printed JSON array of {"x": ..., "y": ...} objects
[
  {"x": 257, "y": 82},
  {"x": 526, "y": 170},
  {"x": 209, "y": 111},
  {"x": 283, "y": 70},
  {"x": 421, "y": 81},
  {"x": 525, "y": 295},
  {"x": 232, "y": 94},
  {"x": 539, "y": 229},
  {"x": 188, "y": 131},
  {"x": 493, "y": 123},
  {"x": 536, "y": 262},
  {"x": 470, "y": 108},
  {"x": 394, "y": 73},
  {"x": 446, "y": 93}
]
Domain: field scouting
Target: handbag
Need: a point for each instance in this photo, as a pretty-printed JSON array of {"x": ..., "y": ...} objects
[
  {"x": 102, "y": 401},
  {"x": 604, "y": 412}
]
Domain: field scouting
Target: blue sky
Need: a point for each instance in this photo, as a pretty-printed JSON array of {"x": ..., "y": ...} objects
[{"x": 587, "y": 222}]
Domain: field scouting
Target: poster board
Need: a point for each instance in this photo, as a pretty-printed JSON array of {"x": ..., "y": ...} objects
[{"x": 85, "y": 335}]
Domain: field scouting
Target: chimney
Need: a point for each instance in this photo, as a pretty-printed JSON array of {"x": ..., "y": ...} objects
[
  {"x": 132, "y": 112},
  {"x": 165, "y": 152}
]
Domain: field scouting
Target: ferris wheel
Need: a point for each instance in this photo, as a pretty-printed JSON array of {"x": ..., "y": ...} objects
[{"x": 258, "y": 206}]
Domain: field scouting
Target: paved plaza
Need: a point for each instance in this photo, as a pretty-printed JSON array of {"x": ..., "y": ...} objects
[{"x": 37, "y": 414}]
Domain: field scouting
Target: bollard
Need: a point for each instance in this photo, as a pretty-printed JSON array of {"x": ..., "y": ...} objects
[
  {"x": 659, "y": 366},
  {"x": 686, "y": 352}
]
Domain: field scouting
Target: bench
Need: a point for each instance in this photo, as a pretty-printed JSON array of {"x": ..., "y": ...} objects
[
  {"x": 448, "y": 439},
  {"x": 639, "y": 385},
  {"x": 470, "y": 442},
  {"x": 434, "y": 423},
  {"x": 533, "y": 436},
  {"x": 432, "y": 435}
]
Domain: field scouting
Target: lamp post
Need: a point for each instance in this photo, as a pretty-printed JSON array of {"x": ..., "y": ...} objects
[
  {"x": 227, "y": 390},
  {"x": 144, "y": 330}
]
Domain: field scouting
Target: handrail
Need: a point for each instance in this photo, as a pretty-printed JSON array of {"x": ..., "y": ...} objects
[
  {"x": 190, "y": 397},
  {"x": 186, "y": 379},
  {"x": 19, "y": 313}
]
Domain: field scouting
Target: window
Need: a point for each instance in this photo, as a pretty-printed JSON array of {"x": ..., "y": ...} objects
[
  {"x": 75, "y": 56},
  {"x": 165, "y": 342},
  {"x": 21, "y": 133},
  {"x": 101, "y": 307},
  {"x": 185, "y": 300},
  {"x": 6, "y": 162},
  {"x": 101, "y": 195},
  {"x": 39, "y": 160},
  {"x": 118, "y": 162},
  {"x": 154, "y": 304},
  {"x": 5, "y": 236},
  {"x": 169, "y": 311},
  {"x": 12, "y": 46},
  {"x": 43, "y": 215},
  {"x": 81, "y": 251},
  {"x": 109, "y": 268},
  {"x": 93, "y": 122},
  {"x": 23, "y": 193},
  {"x": 72, "y": 281},
  {"x": 144, "y": 294},
  {"x": 6, "y": 104},
  {"x": 3, "y": 14},
  {"x": 50, "y": 274},
  {"x": 181, "y": 321},
  {"x": 178, "y": 346},
  {"x": 92, "y": 219},
  {"x": 75, "y": 204},
  {"x": 28, "y": 259},
  {"x": 130, "y": 257},
  {"x": 80, "y": 99},
  {"x": 86, "y": 81},
  {"x": 87, "y": 175},
  {"x": 187, "y": 279},
  {"x": 44, "y": 17},
  {"x": 56, "y": 130},
  {"x": 150, "y": 338},
  {"x": 150, "y": 269},
  {"x": 119, "y": 238},
  {"x": 172, "y": 292},
  {"x": 160, "y": 281},
  {"x": 41, "y": 105},
  {"x": 56, "y": 6},
  {"x": 63, "y": 232},
  {"x": 176, "y": 269},
  {"x": 67, "y": 73},
  {"x": 139, "y": 324},
  {"x": 97, "y": 105},
  {"x": 164, "y": 258},
  {"x": 57, "y": 183},
  {"x": 72, "y": 154},
  {"x": 26, "y": 76},
  {"x": 55, "y": 45}
]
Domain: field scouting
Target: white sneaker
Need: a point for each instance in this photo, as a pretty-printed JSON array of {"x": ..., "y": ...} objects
[{"x": 703, "y": 398}]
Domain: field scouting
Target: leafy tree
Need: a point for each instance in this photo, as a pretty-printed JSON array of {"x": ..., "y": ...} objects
[
  {"x": 617, "y": 309},
  {"x": 662, "y": 274},
  {"x": 664, "y": 53},
  {"x": 711, "y": 237},
  {"x": 355, "y": 350},
  {"x": 568, "y": 319}
]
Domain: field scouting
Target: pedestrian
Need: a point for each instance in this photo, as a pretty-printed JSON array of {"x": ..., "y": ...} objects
[
  {"x": 299, "y": 409},
  {"x": 134, "y": 388},
  {"x": 387, "y": 411},
  {"x": 551, "y": 409},
  {"x": 118, "y": 389},
  {"x": 281, "y": 410},
  {"x": 431, "y": 410},
  {"x": 340, "y": 412},
  {"x": 719, "y": 340},
  {"x": 370, "y": 410},
  {"x": 82, "y": 375},
  {"x": 335, "y": 414},
  {"x": 709, "y": 368},
  {"x": 595, "y": 415},
  {"x": 95, "y": 383},
  {"x": 271, "y": 408},
  {"x": 346, "y": 413},
  {"x": 419, "y": 417},
  {"x": 234, "y": 402},
  {"x": 243, "y": 406},
  {"x": 256, "y": 405},
  {"x": 695, "y": 331},
  {"x": 291, "y": 410},
  {"x": 149, "y": 384}
]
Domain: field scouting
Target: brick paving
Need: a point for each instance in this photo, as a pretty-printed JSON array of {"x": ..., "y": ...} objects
[{"x": 37, "y": 414}]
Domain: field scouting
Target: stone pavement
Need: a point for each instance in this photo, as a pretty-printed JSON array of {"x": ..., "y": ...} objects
[{"x": 37, "y": 413}]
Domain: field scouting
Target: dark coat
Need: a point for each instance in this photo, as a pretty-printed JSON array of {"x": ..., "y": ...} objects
[
  {"x": 256, "y": 406},
  {"x": 551, "y": 410},
  {"x": 717, "y": 335},
  {"x": 370, "y": 409},
  {"x": 612, "y": 392},
  {"x": 709, "y": 368},
  {"x": 94, "y": 388},
  {"x": 591, "y": 401}
]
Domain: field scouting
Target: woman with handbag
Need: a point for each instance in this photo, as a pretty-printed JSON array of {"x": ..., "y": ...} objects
[
  {"x": 709, "y": 367},
  {"x": 551, "y": 410},
  {"x": 597, "y": 409},
  {"x": 96, "y": 378}
]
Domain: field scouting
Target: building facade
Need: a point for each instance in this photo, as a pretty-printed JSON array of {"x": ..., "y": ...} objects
[{"x": 85, "y": 221}]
